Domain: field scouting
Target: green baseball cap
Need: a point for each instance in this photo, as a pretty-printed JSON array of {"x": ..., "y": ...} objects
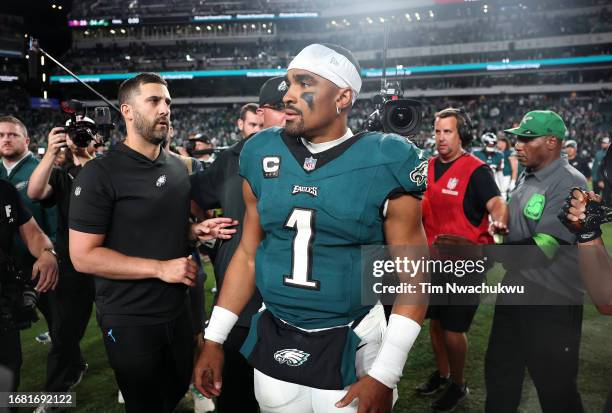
[{"x": 540, "y": 123}]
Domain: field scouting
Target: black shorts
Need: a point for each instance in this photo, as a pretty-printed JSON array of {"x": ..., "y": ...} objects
[
  {"x": 455, "y": 318},
  {"x": 455, "y": 311}
]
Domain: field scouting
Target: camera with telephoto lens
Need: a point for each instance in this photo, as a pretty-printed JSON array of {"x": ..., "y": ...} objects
[
  {"x": 82, "y": 129},
  {"x": 392, "y": 114},
  {"x": 18, "y": 298}
]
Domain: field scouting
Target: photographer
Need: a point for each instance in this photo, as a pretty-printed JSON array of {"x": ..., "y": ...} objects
[
  {"x": 70, "y": 305},
  {"x": 16, "y": 219}
]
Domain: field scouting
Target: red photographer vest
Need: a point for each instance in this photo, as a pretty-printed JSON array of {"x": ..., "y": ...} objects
[{"x": 443, "y": 202}]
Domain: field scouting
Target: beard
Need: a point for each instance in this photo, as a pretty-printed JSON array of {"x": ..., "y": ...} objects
[
  {"x": 295, "y": 129},
  {"x": 11, "y": 154},
  {"x": 147, "y": 129}
]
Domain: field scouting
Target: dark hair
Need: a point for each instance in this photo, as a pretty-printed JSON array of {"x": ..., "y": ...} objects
[
  {"x": 249, "y": 107},
  {"x": 130, "y": 86},
  {"x": 452, "y": 112},
  {"x": 14, "y": 121}
]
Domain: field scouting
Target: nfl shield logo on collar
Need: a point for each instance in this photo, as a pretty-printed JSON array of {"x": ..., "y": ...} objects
[{"x": 310, "y": 164}]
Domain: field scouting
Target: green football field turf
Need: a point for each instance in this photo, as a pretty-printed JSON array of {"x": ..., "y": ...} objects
[{"x": 98, "y": 391}]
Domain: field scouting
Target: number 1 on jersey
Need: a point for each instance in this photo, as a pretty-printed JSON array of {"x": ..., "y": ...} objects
[{"x": 302, "y": 221}]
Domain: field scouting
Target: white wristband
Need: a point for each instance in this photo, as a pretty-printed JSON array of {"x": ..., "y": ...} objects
[
  {"x": 399, "y": 337},
  {"x": 220, "y": 324}
]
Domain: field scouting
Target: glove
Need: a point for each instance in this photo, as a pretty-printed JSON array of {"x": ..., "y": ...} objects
[{"x": 588, "y": 228}]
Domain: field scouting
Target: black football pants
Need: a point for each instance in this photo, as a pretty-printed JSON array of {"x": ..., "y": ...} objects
[
  {"x": 152, "y": 363},
  {"x": 545, "y": 340},
  {"x": 67, "y": 310}
]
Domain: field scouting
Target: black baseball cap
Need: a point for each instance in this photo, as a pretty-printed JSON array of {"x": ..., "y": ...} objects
[{"x": 272, "y": 92}]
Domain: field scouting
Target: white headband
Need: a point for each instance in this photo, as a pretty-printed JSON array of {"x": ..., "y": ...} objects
[{"x": 331, "y": 65}]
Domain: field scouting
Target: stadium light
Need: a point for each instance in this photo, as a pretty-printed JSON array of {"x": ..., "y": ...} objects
[
  {"x": 264, "y": 26},
  {"x": 208, "y": 28},
  {"x": 113, "y": 31},
  {"x": 86, "y": 32},
  {"x": 220, "y": 27},
  {"x": 53, "y": 6},
  {"x": 382, "y": 19},
  {"x": 123, "y": 31},
  {"x": 44, "y": 77},
  {"x": 42, "y": 60},
  {"x": 25, "y": 35},
  {"x": 45, "y": 94},
  {"x": 408, "y": 17},
  {"x": 418, "y": 16},
  {"x": 198, "y": 28},
  {"x": 431, "y": 14},
  {"x": 269, "y": 30},
  {"x": 59, "y": 7}
]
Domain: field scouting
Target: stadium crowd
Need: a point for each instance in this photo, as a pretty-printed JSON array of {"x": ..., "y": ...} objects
[
  {"x": 588, "y": 117},
  {"x": 185, "y": 55}
]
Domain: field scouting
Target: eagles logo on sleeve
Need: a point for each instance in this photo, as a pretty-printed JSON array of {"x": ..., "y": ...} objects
[{"x": 419, "y": 174}]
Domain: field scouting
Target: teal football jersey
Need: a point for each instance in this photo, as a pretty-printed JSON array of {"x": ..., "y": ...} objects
[
  {"x": 494, "y": 159},
  {"x": 316, "y": 211}
]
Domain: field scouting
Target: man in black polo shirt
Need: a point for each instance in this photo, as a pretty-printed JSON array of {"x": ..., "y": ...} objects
[
  {"x": 129, "y": 226},
  {"x": 220, "y": 186}
]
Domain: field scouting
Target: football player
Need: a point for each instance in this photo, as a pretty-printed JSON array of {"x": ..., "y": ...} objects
[
  {"x": 491, "y": 155},
  {"x": 315, "y": 193}
]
